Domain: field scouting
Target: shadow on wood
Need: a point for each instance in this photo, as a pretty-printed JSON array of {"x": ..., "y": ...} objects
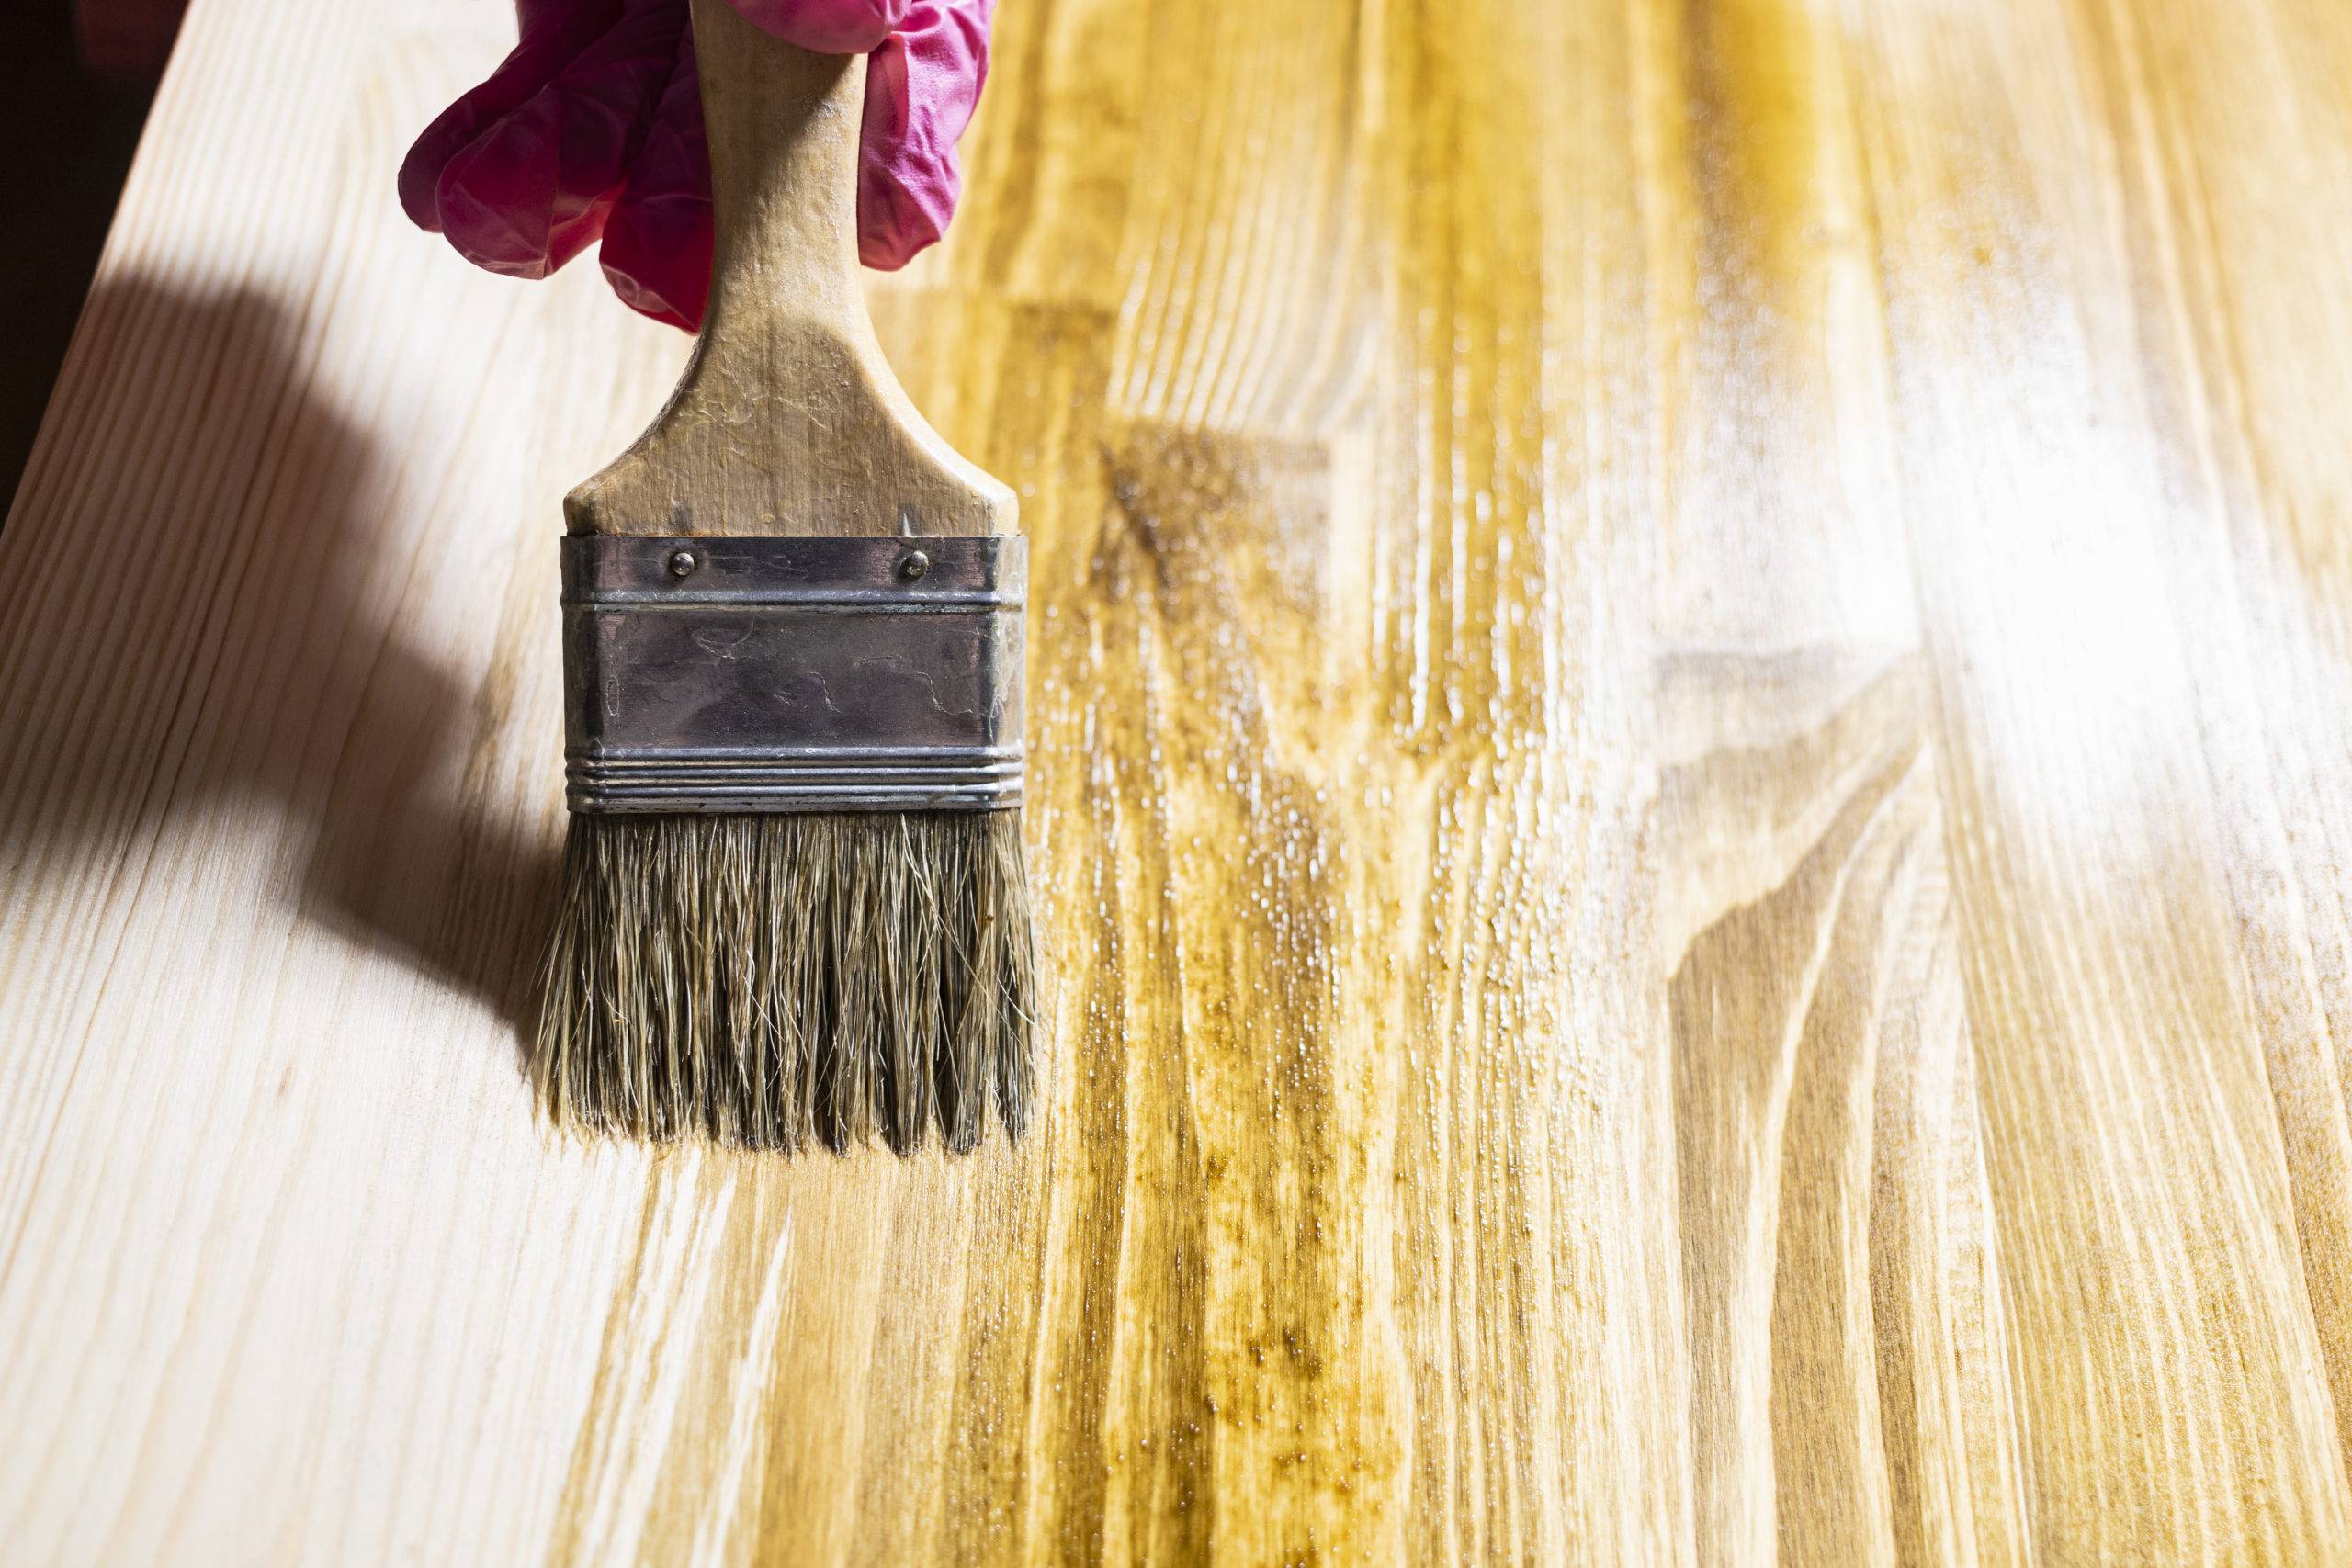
[{"x": 397, "y": 861}]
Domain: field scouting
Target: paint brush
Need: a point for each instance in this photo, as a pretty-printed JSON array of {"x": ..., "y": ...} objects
[{"x": 794, "y": 903}]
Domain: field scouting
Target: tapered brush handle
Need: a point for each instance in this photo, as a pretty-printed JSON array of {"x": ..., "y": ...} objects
[{"x": 788, "y": 419}]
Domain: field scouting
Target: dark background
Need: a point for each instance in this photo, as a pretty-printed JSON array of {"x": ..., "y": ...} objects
[{"x": 71, "y": 108}]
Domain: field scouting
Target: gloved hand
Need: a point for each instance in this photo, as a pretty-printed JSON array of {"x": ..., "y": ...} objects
[{"x": 593, "y": 127}]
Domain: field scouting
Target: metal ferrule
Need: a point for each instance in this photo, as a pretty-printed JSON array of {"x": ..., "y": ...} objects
[{"x": 793, "y": 675}]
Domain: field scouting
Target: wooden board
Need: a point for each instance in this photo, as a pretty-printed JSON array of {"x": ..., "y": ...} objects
[{"x": 1692, "y": 718}]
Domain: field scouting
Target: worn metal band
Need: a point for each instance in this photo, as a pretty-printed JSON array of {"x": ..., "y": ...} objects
[{"x": 793, "y": 675}]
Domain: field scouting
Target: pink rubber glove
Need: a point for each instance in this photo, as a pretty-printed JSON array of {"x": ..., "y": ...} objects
[{"x": 592, "y": 129}]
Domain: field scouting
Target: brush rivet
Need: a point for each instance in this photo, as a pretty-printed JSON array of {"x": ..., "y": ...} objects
[
  {"x": 682, "y": 563},
  {"x": 914, "y": 564}
]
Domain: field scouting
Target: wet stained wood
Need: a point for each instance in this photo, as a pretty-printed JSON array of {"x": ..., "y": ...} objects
[{"x": 1689, "y": 744}]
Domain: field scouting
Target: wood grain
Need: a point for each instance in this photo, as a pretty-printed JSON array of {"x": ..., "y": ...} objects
[{"x": 1691, "y": 764}]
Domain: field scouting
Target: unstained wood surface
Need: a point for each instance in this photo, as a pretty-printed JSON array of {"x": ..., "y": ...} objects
[{"x": 1691, "y": 722}]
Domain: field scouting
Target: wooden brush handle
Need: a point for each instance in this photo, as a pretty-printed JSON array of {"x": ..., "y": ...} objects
[{"x": 788, "y": 419}]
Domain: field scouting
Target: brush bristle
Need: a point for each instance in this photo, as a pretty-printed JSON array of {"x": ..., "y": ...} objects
[{"x": 765, "y": 979}]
